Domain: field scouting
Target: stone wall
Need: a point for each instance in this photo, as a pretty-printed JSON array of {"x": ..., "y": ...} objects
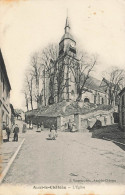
[
  {"x": 87, "y": 121},
  {"x": 62, "y": 122},
  {"x": 83, "y": 122}
]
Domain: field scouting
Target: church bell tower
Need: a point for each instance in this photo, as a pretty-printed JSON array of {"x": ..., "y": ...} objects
[
  {"x": 67, "y": 55},
  {"x": 67, "y": 43}
]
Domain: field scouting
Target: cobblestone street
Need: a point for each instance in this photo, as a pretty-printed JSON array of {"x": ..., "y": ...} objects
[{"x": 71, "y": 158}]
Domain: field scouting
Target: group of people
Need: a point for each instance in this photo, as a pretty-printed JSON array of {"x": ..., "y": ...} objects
[{"x": 15, "y": 131}]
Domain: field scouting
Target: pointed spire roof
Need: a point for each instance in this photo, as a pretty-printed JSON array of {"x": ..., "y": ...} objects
[
  {"x": 67, "y": 26},
  {"x": 67, "y": 22},
  {"x": 67, "y": 34}
]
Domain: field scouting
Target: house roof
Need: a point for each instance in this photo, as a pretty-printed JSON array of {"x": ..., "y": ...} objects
[{"x": 2, "y": 64}]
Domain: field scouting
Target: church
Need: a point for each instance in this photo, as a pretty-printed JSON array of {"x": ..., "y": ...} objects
[{"x": 64, "y": 80}]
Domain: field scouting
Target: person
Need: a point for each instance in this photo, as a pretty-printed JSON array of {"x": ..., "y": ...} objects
[
  {"x": 70, "y": 127},
  {"x": 42, "y": 126},
  {"x": 16, "y": 131},
  {"x": 31, "y": 125},
  {"x": 38, "y": 127},
  {"x": 28, "y": 125},
  {"x": 24, "y": 128},
  {"x": 53, "y": 132},
  {"x": 8, "y": 132}
]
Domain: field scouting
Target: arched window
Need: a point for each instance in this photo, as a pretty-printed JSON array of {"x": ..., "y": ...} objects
[
  {"x": 72, "y": 93},
  {"x": 86, "y": 100},
  {"x": 51, "y": 100}
]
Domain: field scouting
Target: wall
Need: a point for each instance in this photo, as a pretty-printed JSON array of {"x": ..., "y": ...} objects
[
  {"x": 62, "y": 122},
  {"x": 46, "y": 120},
  {"x": 5, "y": 111},
  {"x": 99, "y": 95},
  {"x": 84, "y": 121},
  {"x": 122, "y": 111},
  {"x": 88, "y": 120}
]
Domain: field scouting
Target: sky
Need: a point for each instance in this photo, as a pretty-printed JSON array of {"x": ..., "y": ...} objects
[{"x": 26, "y": 26}]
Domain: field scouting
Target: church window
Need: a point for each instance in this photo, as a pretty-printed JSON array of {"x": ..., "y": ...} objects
[
  {"x": 72, "y": 50},
  {"x": 86, "y": 100},
  {"x": 3, "y": 85},
  {"x": 123, "y": 100},
  {"x": 102, "y": 101},
  {"x": 72, "y": 93},
  {"x": 61, "y": 51},
  {"x": 94, "y": 99}
]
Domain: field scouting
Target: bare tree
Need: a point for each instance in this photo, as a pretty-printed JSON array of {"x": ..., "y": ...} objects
[
  {"x": 36, "y": 74},
  {"x": 29, "y": 87},
  {"x": 46, "y": 66},
  {"x": 48, "y": 58},
  {"x": 25, "y": 92},
  {"x": 81, "y": 70},
  {"x": 113, "y": 82}
]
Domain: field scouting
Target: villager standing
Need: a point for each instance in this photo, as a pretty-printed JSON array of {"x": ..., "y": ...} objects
[
  {"x": 42, "y": 126},
  {"x": 70, "y": 126},
  {"x": 38, "y": 127},
  {"x": 53, "y": 132},
  {"x": 16, "y": 131},
  {"x": 8, "y": 132}
]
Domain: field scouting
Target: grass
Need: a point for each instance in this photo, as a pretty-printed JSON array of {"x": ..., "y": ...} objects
[
  {"x": 110, "y": 132},
  {"x": 67, "y": 108}
]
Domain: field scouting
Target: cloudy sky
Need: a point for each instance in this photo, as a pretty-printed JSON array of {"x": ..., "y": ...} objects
[{"x": 28, "y": 25}]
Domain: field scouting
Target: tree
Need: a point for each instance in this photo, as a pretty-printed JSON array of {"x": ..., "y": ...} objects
[
  {"x": 28, "y": 89},
  {"x": 46, "y": 67},
  {"x": 48, "y": 57},
  {"x": 36, "y": 75},
  {"x": 113, "y": 81},
  {"x": 81, "y": 70},
  {"x": 25, "y": 92}
]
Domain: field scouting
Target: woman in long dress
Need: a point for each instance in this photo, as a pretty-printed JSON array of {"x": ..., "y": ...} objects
[
  {"x": 53, "y": 132},
  {"x": 42, "y": 126},
  {"x": 38, "y": 127}
]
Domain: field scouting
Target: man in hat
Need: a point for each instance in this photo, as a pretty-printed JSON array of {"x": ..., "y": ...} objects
[
  {"x": 16, "y": 131},
  {"x": 8, "y": 132}
]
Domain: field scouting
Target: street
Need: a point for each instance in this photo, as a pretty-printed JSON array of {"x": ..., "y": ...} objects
[{"x": 71, "y": 158}]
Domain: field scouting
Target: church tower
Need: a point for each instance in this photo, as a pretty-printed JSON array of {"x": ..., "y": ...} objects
[
  {"x": 67, "y": 43},
  {"x": 65, "y": 84}
]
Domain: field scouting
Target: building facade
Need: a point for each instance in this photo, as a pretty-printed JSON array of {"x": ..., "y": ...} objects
[
  {"x": 5, "y": 110},
  {"x": 122, "y": 109}
]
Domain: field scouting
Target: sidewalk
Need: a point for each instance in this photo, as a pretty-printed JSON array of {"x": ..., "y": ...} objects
[{"x": 7, "y": 150}]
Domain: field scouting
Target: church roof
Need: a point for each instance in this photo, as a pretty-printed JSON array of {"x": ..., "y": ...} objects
[
  {"x": 67, "y": 34},
  {"x": 93, "y": 83}
]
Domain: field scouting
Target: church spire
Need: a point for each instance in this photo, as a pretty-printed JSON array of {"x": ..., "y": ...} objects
[{"x": 67, "y": 25}]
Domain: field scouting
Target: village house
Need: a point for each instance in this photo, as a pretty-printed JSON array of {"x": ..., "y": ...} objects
[
  {"x": 122, "y": 109},
  {"x": 5, "y": 87}
]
